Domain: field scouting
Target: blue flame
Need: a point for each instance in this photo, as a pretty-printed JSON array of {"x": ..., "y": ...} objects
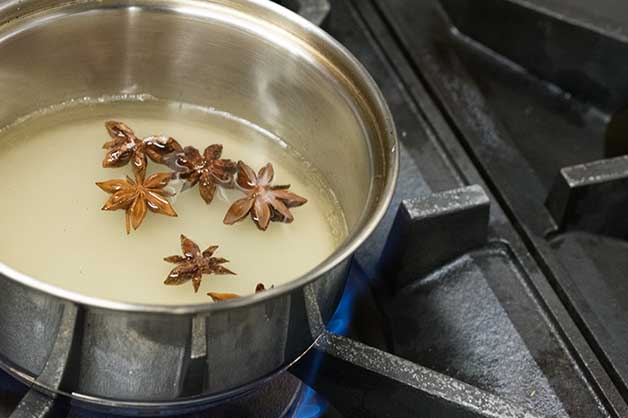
[
  {"x": 339, "y": 323},
  {"x": 311, "y": 404}
]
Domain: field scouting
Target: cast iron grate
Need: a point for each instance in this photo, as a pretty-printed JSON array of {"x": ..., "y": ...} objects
[{"x": 529, "y": 88}]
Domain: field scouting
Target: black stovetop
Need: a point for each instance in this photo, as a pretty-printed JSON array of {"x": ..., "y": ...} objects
[{"x": 495, "y": 287}]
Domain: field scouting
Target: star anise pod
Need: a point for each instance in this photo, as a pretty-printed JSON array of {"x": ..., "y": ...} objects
[
  {"x": 193, "y": 264},
  {"x": 264, "y": 202},
  {"x": 208, "y": 170},
  {"x": 126, "y": 146},
  {"x": 139, "y": 196},
  {"x": 217, "y": 297}
]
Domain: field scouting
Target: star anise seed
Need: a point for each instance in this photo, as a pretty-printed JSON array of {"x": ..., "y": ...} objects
[
  {"x": 207, "y": 170},
  {"x": 217, "y": 297},
  {"x": 139, "y": 196},
  {"x": 194, "y": 263},
  {"x": 263, "y": 201},
  {"x": 126, "y": 146}
]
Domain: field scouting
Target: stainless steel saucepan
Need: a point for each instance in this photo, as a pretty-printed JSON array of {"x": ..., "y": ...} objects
[{"x": 253, "y": 59}]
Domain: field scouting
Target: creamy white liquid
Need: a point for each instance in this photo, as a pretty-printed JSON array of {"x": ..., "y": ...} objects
[{"x": 53, "y": 227}]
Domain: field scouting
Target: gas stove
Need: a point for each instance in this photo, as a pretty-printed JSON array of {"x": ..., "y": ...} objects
[{"x": 495, "y": 286}]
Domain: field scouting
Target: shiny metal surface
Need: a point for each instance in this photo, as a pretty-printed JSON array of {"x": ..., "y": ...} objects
[{"x": 250, "y": 58}]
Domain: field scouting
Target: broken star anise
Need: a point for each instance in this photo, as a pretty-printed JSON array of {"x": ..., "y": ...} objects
[
  {"x": 264, "y": 202},
  {"x": 217, "y": 297},
  {"x": 208, "y": 170},
  {"x": 193, "y": 264},
  {"x": 137, "y": 197},
  {"x": 126, "y": 146}
]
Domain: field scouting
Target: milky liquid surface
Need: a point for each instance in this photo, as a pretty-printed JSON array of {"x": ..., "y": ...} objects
[{"x": 53, "y": 227}]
